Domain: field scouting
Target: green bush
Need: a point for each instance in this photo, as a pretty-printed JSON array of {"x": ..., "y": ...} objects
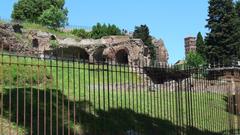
[
  {"x": 81, "y": 33},
  {"x": 195, "y": 60},
  {"x": 54, "y": 43}
]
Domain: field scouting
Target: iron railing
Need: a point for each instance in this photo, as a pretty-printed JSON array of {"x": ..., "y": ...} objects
[{"x": 71, "y": 96}]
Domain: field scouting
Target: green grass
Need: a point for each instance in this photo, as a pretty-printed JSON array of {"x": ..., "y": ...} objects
[
  {"x": 101, "y": 109},
  {"x": 34, "y": 26}
]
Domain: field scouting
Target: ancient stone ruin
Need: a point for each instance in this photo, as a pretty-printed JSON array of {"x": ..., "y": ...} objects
[{"x": 117, "y": 49}]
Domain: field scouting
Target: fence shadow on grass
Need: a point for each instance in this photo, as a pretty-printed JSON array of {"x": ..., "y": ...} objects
[{"x": 36, "y": 103}]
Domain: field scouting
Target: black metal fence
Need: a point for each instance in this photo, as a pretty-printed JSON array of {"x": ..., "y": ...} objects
[{"x": 59, "y": 96}]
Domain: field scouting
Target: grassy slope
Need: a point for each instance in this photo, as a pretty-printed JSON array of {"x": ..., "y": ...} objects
[
  {"x": 99, "y": 106},
  {"x": 33, "y": 26}
]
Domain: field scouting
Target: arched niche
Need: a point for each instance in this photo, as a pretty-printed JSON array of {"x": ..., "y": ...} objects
[
  {"x": 121, "y": 56},
  {"x": 71, "y": 52},
  {"x": 35, "y": 43}
]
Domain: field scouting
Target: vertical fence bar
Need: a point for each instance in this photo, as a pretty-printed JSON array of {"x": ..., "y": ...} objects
[
  {"x": 68, "y": 96},
  {"x": 63, "y": 99},
  {"x": 51, "y": 96},
  {"x": 94, "y": 96},
  {"x": 103, "y": 97},
  {"x": 74, "y": 96},
  {"x": 10, "y": 96},
  {"x": 79, "y": 89},
  {"x": 57, "y": 99}
]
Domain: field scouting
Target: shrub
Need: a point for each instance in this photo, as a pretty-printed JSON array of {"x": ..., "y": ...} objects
[
  {"x": 195, "y": 60},
  {"x": 81, "y": 33},
  {"x": 54, "y": 43}
]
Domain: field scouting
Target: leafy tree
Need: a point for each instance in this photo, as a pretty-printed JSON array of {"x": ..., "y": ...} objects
[
  {"x": 54, "y": 17},
  {"x": 99, "y": 30},
  {"x": 200, "y": 45},
  {"x": 142, "y": 32},
  {"x": 113, "y": 30},
  {"x": 194, "y": 59},
  {"x": 31, "y": 10},
  {"x": 81, "y": 33},
  {"x": 220, "y": 40},
  {"x": 26, "y": 10}
]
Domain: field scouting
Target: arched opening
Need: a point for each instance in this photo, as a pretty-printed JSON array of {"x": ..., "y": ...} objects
[
  {"x": 35, "y": 43},
  {"x": 98, "y": 54},
  {"x": 53, "y": 37},
  {"x": 71, "y": 52},
  {"x": 122, "y": 56},
  {"x": 145, "y": 51}
]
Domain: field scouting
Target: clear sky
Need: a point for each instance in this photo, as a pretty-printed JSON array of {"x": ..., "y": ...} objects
[{"x": 171, "y": 20}]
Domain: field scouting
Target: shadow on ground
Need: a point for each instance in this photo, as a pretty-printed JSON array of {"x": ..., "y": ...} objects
[{"x": 113, "y": 121}]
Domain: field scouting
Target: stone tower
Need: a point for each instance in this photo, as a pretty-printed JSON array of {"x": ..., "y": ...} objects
[{"x": 190, "y": 44}]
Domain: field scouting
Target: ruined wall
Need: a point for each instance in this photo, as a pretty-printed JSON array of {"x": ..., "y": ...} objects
[
  {"x": 12, "y": 43},
  {"x": 114, "y": 48},
  {"x": 119, "y": 49},
  {"x": 161, "y": 51}
]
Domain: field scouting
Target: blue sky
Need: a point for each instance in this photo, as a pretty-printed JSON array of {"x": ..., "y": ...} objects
[{"x": 171, "y": 20}]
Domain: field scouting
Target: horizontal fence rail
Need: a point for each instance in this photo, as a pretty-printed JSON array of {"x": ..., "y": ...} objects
[{"x": 44, "y": 96}]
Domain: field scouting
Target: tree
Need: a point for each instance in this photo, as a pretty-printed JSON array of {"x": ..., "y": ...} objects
[
  {"x": 26, "y": 10},
  {"x": 194, "y": 60},
  {"x": 142, "y": 32},
  {"x": 54, "y": 17},
  {"x": 221, "y": 24},
  {"x": 31, "y": 10},
  {"x": 200, "y": 45},
  {"x": 236, "y": 35},
  {"x": 99, "y": 30},
  {"x": 113, "y": 30}
]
